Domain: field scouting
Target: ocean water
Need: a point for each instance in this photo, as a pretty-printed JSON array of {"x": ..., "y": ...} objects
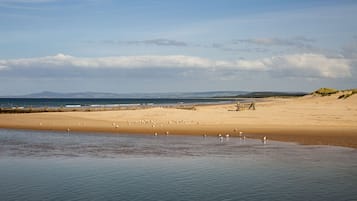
[
  {"x": 102, "y": 102},
  {"x": 76, "y": 166}
]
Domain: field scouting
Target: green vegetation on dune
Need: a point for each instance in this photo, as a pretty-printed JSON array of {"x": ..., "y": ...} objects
[
  {"x": 326, "y": 91},
  {"x": 349, "y": 93},
  {"x": 329, "y": 91},
  {"x": 354, "y": 91}
]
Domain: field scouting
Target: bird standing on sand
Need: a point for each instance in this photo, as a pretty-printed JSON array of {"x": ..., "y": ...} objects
[
  {"x": 264, "y": 140},
  {"x": 227, "y": 137}
]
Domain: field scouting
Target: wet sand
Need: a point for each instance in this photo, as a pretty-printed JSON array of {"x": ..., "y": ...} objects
[{"x": 307, "y": 120}]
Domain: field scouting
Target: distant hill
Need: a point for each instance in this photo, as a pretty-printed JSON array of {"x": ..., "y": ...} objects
[
  {"x": 265, "y": 94},
  {"x": 209, "y": 94},
  {"x": 49, "y": 94}
]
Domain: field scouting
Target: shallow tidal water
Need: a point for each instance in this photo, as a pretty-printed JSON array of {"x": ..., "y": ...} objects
[{"x": 37, "y": 165}]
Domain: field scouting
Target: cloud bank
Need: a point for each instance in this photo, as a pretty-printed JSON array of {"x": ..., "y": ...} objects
[
  {"x": 160, "y": 42},
  {"x": 298, "y": 65},
  {"x": 298, "y": 42},
  {"x": 156, "y": 42}
]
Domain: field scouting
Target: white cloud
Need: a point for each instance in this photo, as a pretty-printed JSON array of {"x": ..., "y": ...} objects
[
  {"x": 299, "y": 65},
  {"x": 299, "y": 42},
  {"x": 159, "y": 42},
  {"x": 312, "y": 65}
]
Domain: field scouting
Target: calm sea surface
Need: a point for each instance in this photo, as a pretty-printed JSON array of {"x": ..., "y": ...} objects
[
  {"x": 56, "y": 166},
  {"x": 101, "y": 102}
]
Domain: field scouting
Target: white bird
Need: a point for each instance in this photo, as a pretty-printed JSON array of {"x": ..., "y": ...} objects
[
  {"x": 264, "y": 140},
  {"x": 227, "y": 135},
  {"x": 167, "y": 132},
  {"x": 240, "y": 133},
  {"x": 155, "y": 134},
  {"x": 219, "y": 135}
]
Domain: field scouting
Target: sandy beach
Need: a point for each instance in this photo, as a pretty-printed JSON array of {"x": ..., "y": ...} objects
[{"x": 306, "y": 120}]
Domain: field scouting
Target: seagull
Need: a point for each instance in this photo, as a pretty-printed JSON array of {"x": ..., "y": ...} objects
[{"x": 264, "y": 140}]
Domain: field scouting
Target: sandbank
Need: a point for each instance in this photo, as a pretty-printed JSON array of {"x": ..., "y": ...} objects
[{"x": 306, "y": 120}]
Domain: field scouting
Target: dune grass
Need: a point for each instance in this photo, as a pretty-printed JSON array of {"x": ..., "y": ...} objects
[
  {"x": 329, "y": 91},
  {"x": 348, "y": 93},
  {"x": 326, "y": 91}
]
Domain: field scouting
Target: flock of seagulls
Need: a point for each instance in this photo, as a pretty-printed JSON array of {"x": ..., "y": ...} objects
[
  {"x": 224, "y": 137},
  {"x": 153, "y": 125}
]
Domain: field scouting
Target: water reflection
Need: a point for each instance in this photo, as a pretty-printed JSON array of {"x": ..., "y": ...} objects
[
  {"x": 47, "y": 144},
  {"x": 56, "y": 166}
]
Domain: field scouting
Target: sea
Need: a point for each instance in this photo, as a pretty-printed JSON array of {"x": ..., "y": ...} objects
[
  {"x": 104, "y": 102},
  {"x": 47, "y": 165}
]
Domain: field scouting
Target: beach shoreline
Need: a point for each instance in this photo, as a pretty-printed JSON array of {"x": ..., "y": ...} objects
[{"x": 309, "y": 120}]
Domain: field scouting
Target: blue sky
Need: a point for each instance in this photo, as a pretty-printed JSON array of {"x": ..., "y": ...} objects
[{"x": 162, "y": 46}]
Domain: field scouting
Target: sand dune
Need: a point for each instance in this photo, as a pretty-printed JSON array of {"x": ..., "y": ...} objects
[{"x": 308, "y": 120}]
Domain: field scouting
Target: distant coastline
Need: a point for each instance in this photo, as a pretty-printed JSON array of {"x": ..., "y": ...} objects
[
  {"x": 167, "y": 95},
  {"x": 104, "y": 95},
  {"x": 266, "y": 94}
]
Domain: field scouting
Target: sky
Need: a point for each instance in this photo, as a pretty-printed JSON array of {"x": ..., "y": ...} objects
[{"x": 176, "y": 46}]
